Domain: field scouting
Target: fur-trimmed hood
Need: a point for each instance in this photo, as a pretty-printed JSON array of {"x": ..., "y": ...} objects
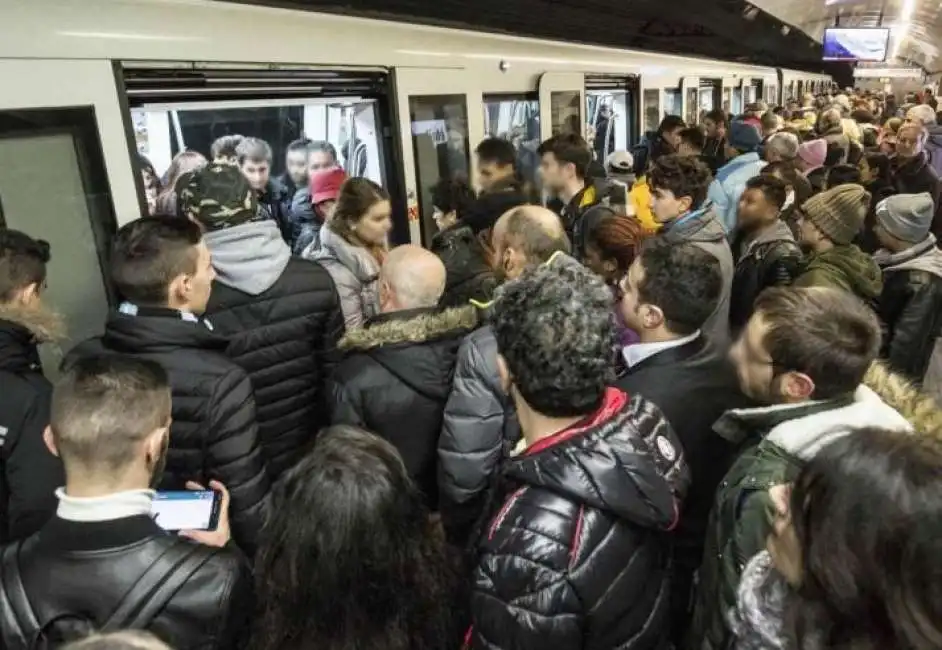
[
  {"x": 411, "y": 326},
  {"x": 419, "y": 346},
  {"x": 920, "y": 410},
  {"x": 21, "y": 330},
  {"x": 44, "y": 324}
]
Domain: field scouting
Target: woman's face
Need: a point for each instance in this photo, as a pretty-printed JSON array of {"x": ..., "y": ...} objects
[
  {"x": 375, "y": 224},
  {"x": 782, "y": 543}
]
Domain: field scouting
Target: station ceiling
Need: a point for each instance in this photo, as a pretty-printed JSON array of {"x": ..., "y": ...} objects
[
  {"x": 731, "y": 30},
  {"x": 916, "y": 25}
]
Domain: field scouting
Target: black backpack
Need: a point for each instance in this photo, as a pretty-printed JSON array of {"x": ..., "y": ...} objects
[{"x": 156, "y": 586}]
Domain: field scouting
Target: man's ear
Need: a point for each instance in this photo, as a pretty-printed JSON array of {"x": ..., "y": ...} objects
[
  {"x": 796, "y": 387},
  {"x": 504, "y": 373},
  {"x": 50, "y": 441}
]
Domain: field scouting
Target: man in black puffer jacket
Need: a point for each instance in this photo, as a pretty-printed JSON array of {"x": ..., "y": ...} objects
[
  {"x": 281, "y": 314},
  {"x": 397, "y": 375},
  {"x": 577, "y": 554},
  {"x": 479, "y": 423},
  {"x": 163, "y": 270}
]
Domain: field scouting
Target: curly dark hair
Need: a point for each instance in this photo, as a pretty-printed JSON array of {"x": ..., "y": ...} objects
[
  {"x": 682, "y": 176},
  {"x": 683, "y": 281},
  {"x": 866, "y": 517},
  {"x": 349, "y": 558},
  {"x": 554, "y": 329},
  {"x": 774, "y": 189}
]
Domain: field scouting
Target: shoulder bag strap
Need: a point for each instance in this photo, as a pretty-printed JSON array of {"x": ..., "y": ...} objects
[
  {"x": 158, "y": 584},
  {"x": 13, "y": 595}
]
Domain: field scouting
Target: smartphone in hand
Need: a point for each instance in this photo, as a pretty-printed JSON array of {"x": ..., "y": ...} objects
[{"x": 187, "y": 510}]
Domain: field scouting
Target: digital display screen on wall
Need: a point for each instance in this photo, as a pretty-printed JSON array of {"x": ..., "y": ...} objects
[{"x": 856, "y": 44}]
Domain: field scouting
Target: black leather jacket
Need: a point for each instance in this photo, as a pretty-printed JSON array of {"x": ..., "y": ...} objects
[
  {"x": 910, "y": 307},
  {"x": 79, "y": 572},
  {"x": 772, "y": 259}
]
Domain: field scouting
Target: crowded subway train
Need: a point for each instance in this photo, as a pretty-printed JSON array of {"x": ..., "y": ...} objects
[{"x": 321, "y": 331}]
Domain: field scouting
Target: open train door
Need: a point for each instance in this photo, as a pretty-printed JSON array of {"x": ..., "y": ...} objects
[{"x": 562, "y": 104}]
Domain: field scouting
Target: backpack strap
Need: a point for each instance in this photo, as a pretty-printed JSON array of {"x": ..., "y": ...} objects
[
  {"x": 158, "y": 584},
  {"x": 13, "y": 595}
]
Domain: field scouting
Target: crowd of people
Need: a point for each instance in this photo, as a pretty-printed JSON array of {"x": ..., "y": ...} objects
[{"x": 692, "y": 403}]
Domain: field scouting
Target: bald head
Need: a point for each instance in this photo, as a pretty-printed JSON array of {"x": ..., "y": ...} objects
[
  {"x": 526, "y": 236},
  {"x": 411, "y": 277}
]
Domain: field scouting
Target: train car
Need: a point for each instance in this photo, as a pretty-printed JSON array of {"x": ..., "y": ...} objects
[{"x": 87, "y": 86}]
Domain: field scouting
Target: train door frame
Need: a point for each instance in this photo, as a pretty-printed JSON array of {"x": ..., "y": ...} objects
[
  {"x": 56, "y": 100},
  {"x": 690, "y": 86},
  {"x": 144, "y": 83},
  {"x": 428, "y": 83},
  {"x": 554, "y": 83},
  {"x": 632, "y": 87}
]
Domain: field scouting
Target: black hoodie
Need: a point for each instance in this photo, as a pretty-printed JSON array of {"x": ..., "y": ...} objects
[{"x": 396, "y": 379}]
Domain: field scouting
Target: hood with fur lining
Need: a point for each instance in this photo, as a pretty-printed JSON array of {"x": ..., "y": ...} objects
[
  {"x": 423, "y": 327},
  {"x": 419, "y": 346},
  {"x": 884, "y": 399},
  {"x": 21, "y": 330},
  {"x": 44, "y": 324}
]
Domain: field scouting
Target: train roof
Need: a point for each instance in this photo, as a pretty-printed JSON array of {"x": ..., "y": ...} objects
[{"x": 207, "y": 31}]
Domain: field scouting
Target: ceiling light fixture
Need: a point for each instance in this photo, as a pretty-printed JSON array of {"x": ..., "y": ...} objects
[{"x": 901, "y": 28}]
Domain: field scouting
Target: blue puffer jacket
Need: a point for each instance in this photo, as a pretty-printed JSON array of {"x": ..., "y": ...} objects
[{"x": 729, "y": 184}]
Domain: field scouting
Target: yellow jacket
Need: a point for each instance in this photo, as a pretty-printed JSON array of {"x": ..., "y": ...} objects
[{"x": 639, "y": 205}]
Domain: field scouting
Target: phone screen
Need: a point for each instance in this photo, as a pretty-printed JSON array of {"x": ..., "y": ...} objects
[{"x": 185, "y": 510}]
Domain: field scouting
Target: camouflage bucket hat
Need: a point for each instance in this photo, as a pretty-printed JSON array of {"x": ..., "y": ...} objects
[{"x": 218, "y": 196}]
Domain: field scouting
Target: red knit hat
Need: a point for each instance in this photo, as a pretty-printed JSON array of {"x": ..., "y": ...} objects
[{"x": 325, "y": 184}]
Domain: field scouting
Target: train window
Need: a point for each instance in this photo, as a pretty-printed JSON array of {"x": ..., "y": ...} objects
[
  {"x": 693, "y": 106},
  {"x": 727, "y": 99},
  {"x": 673, "y": 101},
  {"x": 736, "y": 106},
  {"x": 564, "y": 105},
  {"x": 609, "y": 121},
  {"x": 750, "y": 94},
  {"x": 706, "y": 100},
  {"x": 440, "y": 143},
  {"x": 54, "y": 186},
  {"x": 350, "y": 126},
  {"x": 516, "y": 118},
  {"x": 652, "y": 109}
]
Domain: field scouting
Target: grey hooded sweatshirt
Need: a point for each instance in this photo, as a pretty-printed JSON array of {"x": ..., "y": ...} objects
[
  {"x": 703, "y": 229},
  {"x": 250, "y": 257}
]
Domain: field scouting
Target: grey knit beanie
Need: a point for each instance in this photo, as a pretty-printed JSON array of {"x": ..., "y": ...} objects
[
  {"x": 839, "y": 213},
  {"x": 907, "y": 216}
]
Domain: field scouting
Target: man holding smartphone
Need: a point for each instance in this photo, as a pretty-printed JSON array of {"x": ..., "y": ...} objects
[{"x": 102, "y": 562}]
